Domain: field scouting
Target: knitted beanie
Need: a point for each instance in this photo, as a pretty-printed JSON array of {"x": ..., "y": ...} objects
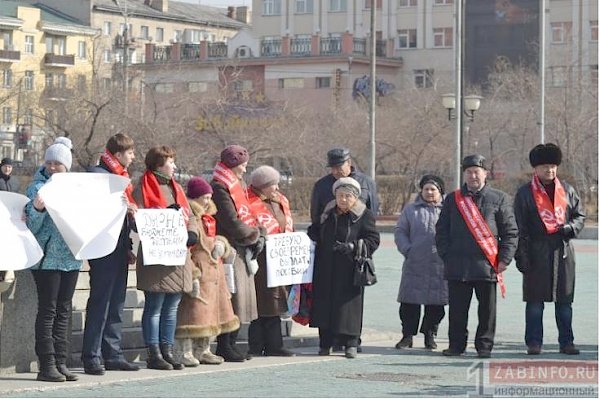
[
  {"x": 264, "y": 176},
  {"x": 197, "y": 187},
  {"x": 432, "y": 179},
  {"x": 234, "y": 155},
  {"x": 348, "y": 184},
  {"x": 60, "y": 151}
]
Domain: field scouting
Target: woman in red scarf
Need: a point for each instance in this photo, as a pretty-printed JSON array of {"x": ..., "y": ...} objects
[{"x": 162, "y": 285}]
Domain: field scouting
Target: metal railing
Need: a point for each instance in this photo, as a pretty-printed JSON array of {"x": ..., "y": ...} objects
[
  {"x": 359, "y": 46},
  {"x": 217, "y": 50},
  {"x": 331, "y": 45},
  {"x": 56, "y": 59},
  {"x": 301, "y": 46},
  {"x": 380, "y": 48},
  {"x": 11, "y": 55},
  {"x": 190, "y": 51},
  {"x": 269, "y": 48},
  {"x": 162, "y": 53}
]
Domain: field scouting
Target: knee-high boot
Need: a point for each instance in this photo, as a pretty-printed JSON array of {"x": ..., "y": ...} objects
[
  {"x": 203, "y": 353},
  {"x": 225, "y": 350},
  {"x": 48, "y": 370},
  {"x": 184, "y": 352}
]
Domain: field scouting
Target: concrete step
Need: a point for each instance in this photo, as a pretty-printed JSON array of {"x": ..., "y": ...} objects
[
  {"x": 133, "y": 299},
  {"x": 83, "y": 282},
  {"x": 132, "y": 317}
]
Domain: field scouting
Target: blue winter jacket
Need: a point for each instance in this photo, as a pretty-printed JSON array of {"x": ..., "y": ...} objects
[{"x": 57, "y": 255}]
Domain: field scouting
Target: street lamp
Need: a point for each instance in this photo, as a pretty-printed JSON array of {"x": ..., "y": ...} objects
[{"x": 471, "y": 103}]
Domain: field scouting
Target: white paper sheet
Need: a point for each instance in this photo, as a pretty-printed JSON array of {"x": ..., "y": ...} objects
[
  {"x": 163, "y": 236},
  {"x": 290, "y": 258},
  {"x": 18, "y": 246},
  {"x": 88, "y": 210}
]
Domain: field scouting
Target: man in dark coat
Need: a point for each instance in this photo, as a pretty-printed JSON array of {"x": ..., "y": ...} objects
[
  {"x": 549, "y": 215},
  {"x": 466, "y": 266},
  {"x": 7, "y": 181}
]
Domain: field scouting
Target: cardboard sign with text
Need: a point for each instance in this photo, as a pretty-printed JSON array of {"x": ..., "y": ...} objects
[
  {"x": 163, "y": 236},
  {"x": 290, "y": 258}
]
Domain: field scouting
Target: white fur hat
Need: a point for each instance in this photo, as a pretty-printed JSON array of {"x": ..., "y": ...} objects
[
  {"x": 60, "y": 151},
  {"x": 349, "y": 184}
]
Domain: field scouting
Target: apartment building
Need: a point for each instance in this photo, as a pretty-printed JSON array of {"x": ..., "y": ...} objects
[{"x": 44, "y": 57}]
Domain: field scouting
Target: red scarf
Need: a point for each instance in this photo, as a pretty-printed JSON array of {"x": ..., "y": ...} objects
[
  {"x": 153, "y": 197},
  {"x": 210, "y": 225},
  {"x": 265, "y": 218},
  {"x": 226, "y": 177},
  {"x": 481, "y": 233},
  {"x": 116, "y": 168},
  {"x": 552, "y": 216}
]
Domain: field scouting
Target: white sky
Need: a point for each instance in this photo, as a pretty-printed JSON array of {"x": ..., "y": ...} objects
[{"x": 220, "y": 3}]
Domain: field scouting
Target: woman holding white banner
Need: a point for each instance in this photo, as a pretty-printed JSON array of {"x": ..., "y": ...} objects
[
  {"x": 272, "y": 211},
  {"x": 55, "y": 275},
  {"x": 337, "y": 308},
  {"x": 163, "y": 285}
]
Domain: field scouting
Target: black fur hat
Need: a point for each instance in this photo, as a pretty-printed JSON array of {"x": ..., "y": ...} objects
[
  {"x": 543, "y": 154},
  {"x": 433, "y": 179}
]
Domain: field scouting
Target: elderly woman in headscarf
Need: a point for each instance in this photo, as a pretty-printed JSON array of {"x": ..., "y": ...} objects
[
  {"x": 422, "y": 280},
  {"x": 337, "y": 303}
]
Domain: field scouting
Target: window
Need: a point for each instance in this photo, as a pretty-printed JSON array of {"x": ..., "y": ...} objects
[
  {"x": 164, "y": 87},
  {"x": 61, "y": 81},
  {"x": 7, "y": 77},
  {"x": 407, "y": 38},
  {"x": 50, "y": 117},
  {"x": 28, "y": 80},
  {"x": 407, "y": 3},
  {"x": 106, "y": 56},
  {"x": 106, "y": 83},
  {"x": 337, "y": 5},
  {"x": 7, "y": 39},
  {"x": 322, "y": 83},
  {"x": 49, "y": 80},
  {"x": 129, "y": 29},
  {"x": 107, "y": 28},
  {"x": 423, "y": 78},
  {"x": 197, "y": 87},
  {"x": 561, "y": 32},
  {"x": 442, "y": 37},
  {"x": 81, "y": 50},
  {"x": 272, "y": 7},
  {"x": 28, "y": 44},
  {"x": 594, "y": 31},
  {"x": 558, "y": 76},
  {"x": 28, "y": 116},
  {"x": 6, "y": 115},
  {"x": 368, "y": 4},
  {"x": 443, "y": 2},
  {"x": 56, "y": 44},
  {"x": 304, "y": 6},
  {"x": 81, "y": 83},
  {"x": 160, "y": 35},
  {"x": 243, "y": 85},
  {"x": 594, "y": 74},
  {"x": 144, "y": 32},
  {"x": 178, "y": 36},
  {"x": 291, "y": 83}
]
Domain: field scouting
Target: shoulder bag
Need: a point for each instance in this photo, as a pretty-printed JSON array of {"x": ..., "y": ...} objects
[{"x": 364, "y": 267}]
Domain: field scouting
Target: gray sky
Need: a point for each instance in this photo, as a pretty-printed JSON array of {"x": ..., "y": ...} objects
[{"x": 220, "y": 3}]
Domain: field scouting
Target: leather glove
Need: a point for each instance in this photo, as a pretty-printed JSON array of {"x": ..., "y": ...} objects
[
  {"x": 345, "y": 248},
  {"x": 192, "y": 239},
  {"x": 195, "y": 289},
  {"x": 174, "y": 206},
  {"x": 218, "y": 250},
  {"x": 566, "y": 231},
  {"x": 258, "y": 247}
]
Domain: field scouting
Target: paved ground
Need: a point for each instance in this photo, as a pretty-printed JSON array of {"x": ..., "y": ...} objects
[{"x": 380, "y": 371}]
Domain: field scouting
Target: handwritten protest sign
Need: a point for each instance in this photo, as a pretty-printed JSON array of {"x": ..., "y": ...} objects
[
  {"x": 18, "y": 246},
  {"x": 290, "y": 259},
  {"x": 163, "y": 236}
]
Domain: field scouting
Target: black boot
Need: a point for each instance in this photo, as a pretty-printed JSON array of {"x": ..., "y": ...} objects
[
  {"x": 61, "y": 366},
  {"x": 430, "y": 341},
  {"x": 232, "y": 342},
  {"x": 155, "y": 359},
  {"x": 167, "y": 353},
  {"x": 48, "y": 370},
  {"x": 405, "y": 342},
  {"x": 225, "y": 350}
]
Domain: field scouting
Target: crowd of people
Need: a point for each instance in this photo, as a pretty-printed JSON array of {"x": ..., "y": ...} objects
[{"x": 452, "y": 244}]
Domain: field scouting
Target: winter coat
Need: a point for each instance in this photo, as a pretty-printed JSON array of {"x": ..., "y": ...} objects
[
  {"x": 161, "y": 278},
  {"x": 270, "y": 301},
  {"x": 422, "y": 280},
  {"x": 9, "y": 183},
  {"x": 337, "y": 303},
  {"x": 213, "y": 314},
  {"x": 463, "y": 259},
  {"x": 547, "y": 261},
  {"x": 240, "y": 236},
  {"x": 57, "y": 255},
  {"x": 322, "y": 194}
]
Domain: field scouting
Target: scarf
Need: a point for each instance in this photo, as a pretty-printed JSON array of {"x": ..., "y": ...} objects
[
  {"x": 265, "y": 218},
  {"x": 223, "y": 175},
  {"x": 116, "y": 168},
  {"x": 153, "y": 197},
  {"x": 552, "y": 215},
  {"x": 210, "y": 225}
]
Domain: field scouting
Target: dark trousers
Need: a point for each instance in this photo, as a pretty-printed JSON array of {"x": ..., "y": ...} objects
[
  {"x": 104, "y": 313},
  {"x": 327, "y": 337},
  {"x": 264, "y": 334},
  {"x": 410, "y": 314},
  {"x": 534, "y": 326},
  {"x": 55, "y": 291},
  {"x": 460, "y": 293}
]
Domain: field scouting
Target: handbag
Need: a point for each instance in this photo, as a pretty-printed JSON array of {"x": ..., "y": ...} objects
[{"x": 364, "y": 267}]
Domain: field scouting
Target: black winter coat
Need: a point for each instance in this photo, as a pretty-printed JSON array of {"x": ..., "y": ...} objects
[
  {"x": 463, "y": 258},
  {"x": 322, "y": 194},
  {"x": 337, "y": 303},
  {"x": 547, "y": 261}
]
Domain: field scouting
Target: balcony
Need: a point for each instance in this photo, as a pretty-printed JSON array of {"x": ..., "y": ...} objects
[
  {"x": 57, "y": 93},
  {"x": 190, "y": 52},
  {"x": 359, "y": 46},
  {"x": 380, "y": 48},
  {"x": 270, "y": 48},
  {"x": 10, "y": 56},
  {"x": 300, "y": 47},
  {"x": 331, "y": 46},
  {"x": 162, "y": 53},
  {"x": 217, "y": 50},
  {"x": 56, "y": 60}
]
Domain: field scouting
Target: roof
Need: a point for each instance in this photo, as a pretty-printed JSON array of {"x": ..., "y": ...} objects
[
  {"x": 52, "y": 19},
  {"x": 177, "y": 11}
]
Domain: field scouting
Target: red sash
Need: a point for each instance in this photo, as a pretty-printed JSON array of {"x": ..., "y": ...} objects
[
  {"x": 265, "y": 218},
  {"x": 153, "y": 197},
  {"x": 552, "y": 216},
  {"x": 481, "y": 233},
  {"x": 225, "y": 176},
  {"x": 210, "y": 225},
  {"x": 115, "y": 167}
]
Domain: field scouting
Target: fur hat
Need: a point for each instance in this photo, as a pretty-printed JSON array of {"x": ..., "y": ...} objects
[
  {"x": 337, "y": 156},
  {"x": 197, "y": 187},
  {"x": 433, "y": 179},
  {"x": 545, "y": 154},
  {"x": 264, "y": 176},
  {"x": 6, "y": 161},
  {"x": 234, "y": 155},
  {"x": 349, "y": 184},
  {"x": 473, "y": 160},
  {"x": 60, "y": 151}
]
